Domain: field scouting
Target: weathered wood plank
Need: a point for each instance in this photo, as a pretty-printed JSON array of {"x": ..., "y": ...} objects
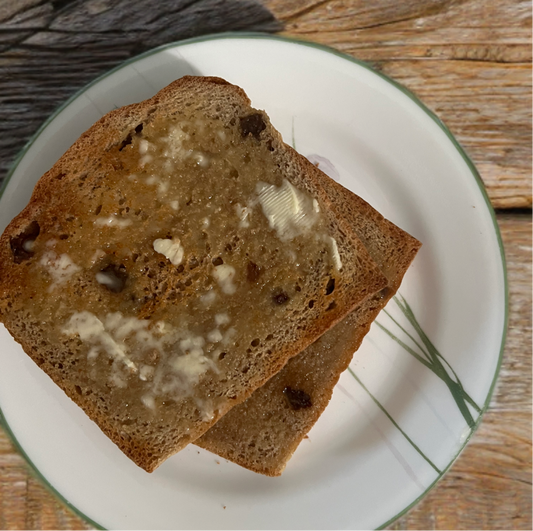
[
  {"x": 44, "y": 511},
  {"x": 513, "y": 390},
  {"x": 13, "y": 481},
  {"x": 489, "y": 487},
  {"x": 390, "y": 22},
  {"x": 10, "y": 8},
  {"x": 469, "y": 61},
  {"x": 487, "y": 107},
  {"x": 51, "y": 49}
]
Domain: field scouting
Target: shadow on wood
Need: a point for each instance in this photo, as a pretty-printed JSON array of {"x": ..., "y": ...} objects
[{"x": 49, "y": 50}]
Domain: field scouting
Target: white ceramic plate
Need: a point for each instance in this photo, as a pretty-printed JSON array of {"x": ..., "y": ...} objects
[{"x": 397, "y": 421}]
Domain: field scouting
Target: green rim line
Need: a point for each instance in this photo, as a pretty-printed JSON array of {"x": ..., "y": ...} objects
[
  {"x": 362, "y": 64},
  {"x": 376, "y": 401}
]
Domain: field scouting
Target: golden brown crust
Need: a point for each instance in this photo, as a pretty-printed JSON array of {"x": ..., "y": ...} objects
[
  {"x": 71, "y": 182},
  {"x": 262, "y": 433}
]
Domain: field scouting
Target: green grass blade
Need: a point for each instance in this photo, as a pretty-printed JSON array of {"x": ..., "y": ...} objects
[
  {"x": 407, "y": 334},
  {"x": 394, "y": 422},
  {"x": 456, "y": 388},
  {"x": 406, "y": 347},
  {"x": 438, "y": 369},
  {"x": 434, "y": 352}
]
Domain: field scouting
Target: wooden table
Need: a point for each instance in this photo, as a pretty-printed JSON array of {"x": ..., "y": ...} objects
[{"x": 470, "y": 62}]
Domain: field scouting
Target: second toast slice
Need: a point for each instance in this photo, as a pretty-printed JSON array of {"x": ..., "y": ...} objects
[{"x": 263, "y": 432}]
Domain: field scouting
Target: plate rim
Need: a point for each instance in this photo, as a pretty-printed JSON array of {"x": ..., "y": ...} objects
[{"x": 324, "y": 48}]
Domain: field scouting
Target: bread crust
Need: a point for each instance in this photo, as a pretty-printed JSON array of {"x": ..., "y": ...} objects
[
  {"x": 58, "y": 191},
  {"x": 262, "y": 433}
]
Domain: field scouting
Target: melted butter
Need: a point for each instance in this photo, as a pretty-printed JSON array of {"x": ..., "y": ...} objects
[
  {"x": 93, "y": 353},
  {"x": 28, "y": 245},
  {"x": 60, "y": 268},
  {"x": 171, "y": 249},
  {"x": 290, "y": 212},
  {"x": 109, "y": 280},
  {"x": 90, "y": 329},
  {"x": 113, "y": 221},
  {"x": 222, "y": 319},
  {"x": 146, "y": 159},
  {"x": 117, "y": 380},
  {"x": 224, "y": 275},
  {"x": 243, "y": 213},
  {"x": 229, "y": 336},
  {"x": 208, "y": 298},
  {"x": 175, "y": 373},
  {"x": 162, "y": 186},
  {"x": 144, "y": 147},
  {"x": 175, "y": 139},
  {"x": 201, "y": 159},
  {"x": 96, "y": 256},
  {"x": 192, "y": 342},
  {"x": 146, "y": 372},
  {"x": 335, "y": 253},
  {"x": 148, "y": 401},
  {"x": 192, "y": 365},
  {"x": 215, "y": 336}
]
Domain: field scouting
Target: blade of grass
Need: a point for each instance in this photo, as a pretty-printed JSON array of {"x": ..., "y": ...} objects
[
  {"x": 375, "y": 400},
  {"x": 406, "y": 347},
  {"x": 458, "y": 392},
  {"x": 433, "y": 350},
  {"x": 433, "y": 365},
  {"x": 407, "y": 333}
]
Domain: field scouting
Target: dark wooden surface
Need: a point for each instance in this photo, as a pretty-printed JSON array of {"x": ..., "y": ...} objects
[
  {"x": 51, "y": 49},
  {"x": 469, "y": 61}
]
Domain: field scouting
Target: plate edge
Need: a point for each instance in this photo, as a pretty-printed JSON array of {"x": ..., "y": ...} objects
[{"x": 406, "y": 92}]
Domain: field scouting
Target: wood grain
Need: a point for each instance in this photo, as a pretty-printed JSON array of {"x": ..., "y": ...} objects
[
  {"x": 469, "y": 61},
  {"x": 51, "y": 49},
  {"x": 513, "y": 391}
]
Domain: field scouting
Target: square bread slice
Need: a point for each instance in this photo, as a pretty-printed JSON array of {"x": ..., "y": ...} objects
[
  {"x": 263, "y": 432},
  {"x": 172, "y": 261}
]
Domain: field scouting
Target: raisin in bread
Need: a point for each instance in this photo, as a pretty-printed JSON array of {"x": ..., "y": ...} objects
[
  {"x": 172, "y": 261},
  {"x": 263, "y": 432}
]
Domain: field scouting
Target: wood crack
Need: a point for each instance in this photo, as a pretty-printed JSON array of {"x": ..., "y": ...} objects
[
  {"x": 505, "y": 478},
  {"x": 304, "y": 11}
]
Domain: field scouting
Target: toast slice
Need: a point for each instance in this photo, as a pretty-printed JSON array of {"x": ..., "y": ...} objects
[
  {"x": 172, "y": 261},
  {"x": 263, "y": 432}
]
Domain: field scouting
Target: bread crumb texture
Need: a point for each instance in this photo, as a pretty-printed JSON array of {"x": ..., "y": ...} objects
[{"x": 172, "y": 261}]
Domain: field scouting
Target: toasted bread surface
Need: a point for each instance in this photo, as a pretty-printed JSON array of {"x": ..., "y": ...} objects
[
  {"x": 172, "y": 261},
  {"x": 263, "y": 432}
]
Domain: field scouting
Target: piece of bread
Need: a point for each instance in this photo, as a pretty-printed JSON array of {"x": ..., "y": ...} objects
[
  {"x": 263, "y": 432},
  {"x": 172, "y": 261}
]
